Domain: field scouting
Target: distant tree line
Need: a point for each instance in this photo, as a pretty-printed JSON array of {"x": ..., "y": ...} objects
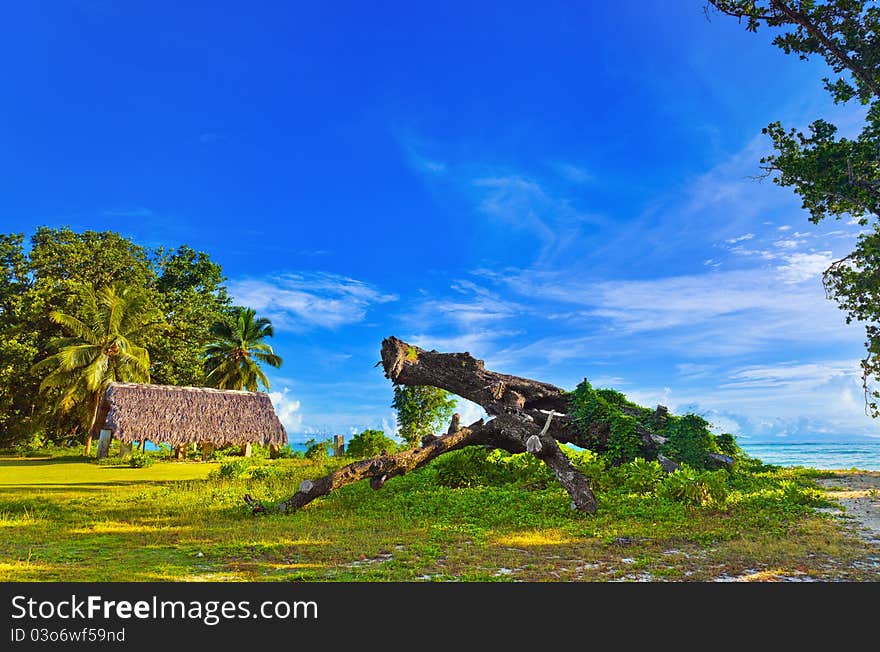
[{"x": 79, "y": 309}]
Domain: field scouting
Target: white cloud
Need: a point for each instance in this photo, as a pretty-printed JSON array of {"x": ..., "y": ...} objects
[
  {"x": 574, "y": 173},
  {"x": 788, "y": 244},
  {"x": 784, "y": 228},
  {"x": 794, "y": 376},
  {"x": 468, "y": 411},
  {"x": 308, "y": 300},
  {"x": 742, "y": 238},
  {"x": 801, "y": 267},
  {"x": 715, "y": 313},
  {"x": 472, "y": 306},
  {"x": 287, "y": 410},
  {"x": 694, "y": 370}
]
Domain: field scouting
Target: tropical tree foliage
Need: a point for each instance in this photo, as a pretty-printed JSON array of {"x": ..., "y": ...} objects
[
  {"x": 835, "y": 176},
  {"x": 103, "y": 348},
  {"x": 193, "y": 299},
  {"x": 56, "y": 272},
  {"x": 232, "y": 360},
  {"x": 421, "y": 410}
]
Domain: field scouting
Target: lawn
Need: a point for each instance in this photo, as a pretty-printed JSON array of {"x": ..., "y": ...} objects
[{"x": 66, "y": 518}]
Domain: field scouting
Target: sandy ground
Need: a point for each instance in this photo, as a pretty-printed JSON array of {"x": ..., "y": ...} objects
[{"x": 859, "y": 494}]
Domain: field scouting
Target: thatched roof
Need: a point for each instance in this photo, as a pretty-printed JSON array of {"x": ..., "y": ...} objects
[{"x": 183, "y": 415}]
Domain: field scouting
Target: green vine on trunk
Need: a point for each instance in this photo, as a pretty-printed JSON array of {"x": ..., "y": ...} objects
[{"x": 608, "y": 423}]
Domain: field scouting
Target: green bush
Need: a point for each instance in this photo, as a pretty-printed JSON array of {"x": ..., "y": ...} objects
[
  {"x": 265, "y": 472},
  {"x": 694, "y": 488},
  {"x": 608, "y": 423},
  {"x": 286, "y": 452},
  {"x": 139, "y": 459},
  {"x": 641, "y": 476},
  {"x": 618, "y": 439},
  {"x": 689, "y": 441},
  {"x": 593, "y": 466},
  {"x": 477, "y": 466},
  {"x": 726, "y": 443},
  {"x": 370, "y": 443},
  {"x": 318, "y": 451},
  {"x": 230, "y": 469},
  {"x": 795, "y": 494}
]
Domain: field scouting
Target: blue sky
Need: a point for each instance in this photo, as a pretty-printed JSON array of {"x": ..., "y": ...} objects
[{"x": 561, "y": 190}]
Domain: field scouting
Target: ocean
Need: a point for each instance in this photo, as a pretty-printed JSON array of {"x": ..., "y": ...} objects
[{"x": 825, "y": 455}]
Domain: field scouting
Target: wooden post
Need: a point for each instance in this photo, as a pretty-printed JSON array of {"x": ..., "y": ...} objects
[
  {"x": 124, "y": 449},
  {"x": 246, "y": 450},
  {"x": 143, "y": 445},
  {"x": 338, "y": 445},
  {"x": 104, "y": 443},
  {"x": 273, "y": 450},
  {"x": 180, "y": 452},
  {"x": 207, "y": 448}
]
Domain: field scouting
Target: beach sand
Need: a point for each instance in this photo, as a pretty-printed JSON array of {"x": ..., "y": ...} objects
[{"x": 859, "y": 493}]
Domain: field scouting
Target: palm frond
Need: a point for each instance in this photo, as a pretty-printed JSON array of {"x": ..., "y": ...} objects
[
  {"x": 269, "y": 358},
  {"x": 96, "y": 372},
  {"x": 75, "y": 326}
]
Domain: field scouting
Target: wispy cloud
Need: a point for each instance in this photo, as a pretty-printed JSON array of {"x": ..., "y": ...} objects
[
  {"x": 717, "y": 313},
  {"x": 536, "y": 203},
  {"x": 799, "y": 267},
  {"x": 287, "y": 409},
  {"x": 469, "y": 306},
  {"x": 131, "y": 212},
  {"x": 308, "y": 299}
]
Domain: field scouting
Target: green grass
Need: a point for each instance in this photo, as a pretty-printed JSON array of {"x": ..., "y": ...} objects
[{"x": 75, "y": 520}]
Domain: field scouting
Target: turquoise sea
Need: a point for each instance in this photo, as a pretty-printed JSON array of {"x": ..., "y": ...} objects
[{"x": 825, "y": 455}]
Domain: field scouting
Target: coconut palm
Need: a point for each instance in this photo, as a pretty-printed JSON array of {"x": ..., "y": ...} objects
[
  {"x": 101, "y": 349},
  {"x": 232, "y": 360}
]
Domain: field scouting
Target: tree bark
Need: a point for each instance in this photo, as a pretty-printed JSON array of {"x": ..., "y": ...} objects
[
  {"x": 380, "y": 469},
  {"x": 527, "y": 416},
  {"x": 97, "y": 401}
]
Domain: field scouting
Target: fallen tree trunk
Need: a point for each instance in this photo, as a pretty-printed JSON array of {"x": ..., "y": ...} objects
[
  {"x": 525, "y": 416},
  {"x": 380, "y": 469}
]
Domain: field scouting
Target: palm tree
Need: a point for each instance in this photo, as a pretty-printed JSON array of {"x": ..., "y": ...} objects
[
  {"x": 232, "y": 359},
  {"x": 101, "y": 349}
]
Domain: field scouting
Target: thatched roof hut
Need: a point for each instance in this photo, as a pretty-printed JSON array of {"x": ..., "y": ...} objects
[{"x": 185, "y": 415}]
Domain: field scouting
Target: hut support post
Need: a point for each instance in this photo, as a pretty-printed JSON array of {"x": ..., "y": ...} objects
[
  {"x": 246, "y": 450},
  {"x": 180, "y": 452},
  {"x": 104, "y": 443},
  {"x": 207, "y": 448},
  {"x": 124, "y": 449},
  {"x": 338, "y": 445},
  {"x": 143, "y": 445}
]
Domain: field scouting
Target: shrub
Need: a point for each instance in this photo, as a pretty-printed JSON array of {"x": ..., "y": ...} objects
[
  {"x": 234, "y": 468},
  {"x": 589, "y": 463},
  {"x": 264, "y": 472},
  {"x": 641, "y": 476},
  {"x": 318, "y": 451},
  {"x": 689, "y": 441},
  {"x": 479, "y": 466},
  {"x": 726, "y": 443},
  {"x": 286, "y": 452},
  {"x": 618, "y": 440},
  {"x": 694, "y": 488},
  {"x": 370, "y": 443},
  {"x": 795, "y": 494},
  {"x": 139, "y": 459}
]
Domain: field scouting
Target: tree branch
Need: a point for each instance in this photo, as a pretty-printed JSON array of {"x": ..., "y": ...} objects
[{"x": 799, "y": 18}]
